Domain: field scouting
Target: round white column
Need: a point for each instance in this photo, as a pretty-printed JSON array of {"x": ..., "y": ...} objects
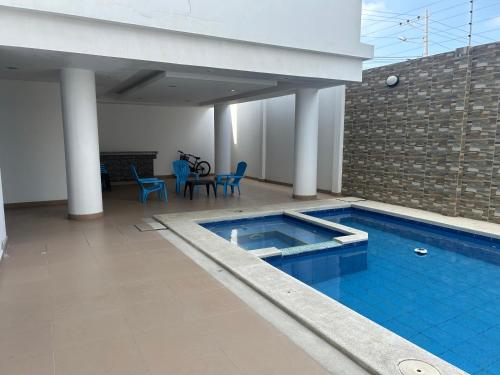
[
  {"x": 81, "y": 143},
  {"x": 306, "y": 143},
  {"x": 222, "y": 134}
]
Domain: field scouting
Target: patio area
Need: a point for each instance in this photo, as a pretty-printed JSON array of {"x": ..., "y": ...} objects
[{"x": 101, "y": 297}]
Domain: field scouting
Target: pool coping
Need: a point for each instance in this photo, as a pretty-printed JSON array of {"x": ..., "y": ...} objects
[{"x": 375, "y": 348}]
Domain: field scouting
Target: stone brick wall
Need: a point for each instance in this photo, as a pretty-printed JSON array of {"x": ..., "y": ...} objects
[
  {"x": 432, "y": 141},
  {"x": 118, "y": 164}
]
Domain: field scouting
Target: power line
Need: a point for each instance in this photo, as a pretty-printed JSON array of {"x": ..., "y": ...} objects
[
  {"x": 371, "y": 19},
  {"x": 427, "y": 6},
  {"x": 386, "y": 12},
  {"x": 401, "y": 23},
  {"x": 446, "y": 30},
  {"x": 446, "y": 34}
]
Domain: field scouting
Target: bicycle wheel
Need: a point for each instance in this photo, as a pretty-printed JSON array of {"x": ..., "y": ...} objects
[{"x": 203, "y": 168}]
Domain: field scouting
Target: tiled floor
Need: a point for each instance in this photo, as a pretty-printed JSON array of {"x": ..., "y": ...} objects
[{"x": 101, "y": 297}]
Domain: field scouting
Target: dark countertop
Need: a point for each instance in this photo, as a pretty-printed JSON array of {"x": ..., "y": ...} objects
[{"x": 132, "y": 153}]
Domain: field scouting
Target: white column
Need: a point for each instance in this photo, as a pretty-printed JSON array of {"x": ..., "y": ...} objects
[
  {"x": 222, "y": 133},
  {"x": 264, "y": 141},
  {"x": 81, "y": 143},
  {"x": 306, "y": 143},
  {"x": 338, "y": 138}
]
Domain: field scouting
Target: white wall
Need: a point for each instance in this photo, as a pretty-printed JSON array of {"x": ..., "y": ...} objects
[
  {"x": 32, "y": 148},
  {"x": 3, "y": 232},
  {"x": 279, "y": 123},
  {"x": 249, "y": 137},
  {"x": 331, "y": 138},
  {"x": 280, "y": 136},
  {"x": 157, "y": 128},
  {"x": 308, "y": 25},
  {"x": 31, "y": 142}
]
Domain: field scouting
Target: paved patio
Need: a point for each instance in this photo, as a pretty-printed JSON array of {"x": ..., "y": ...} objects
[{"x": 101, "y": 297}]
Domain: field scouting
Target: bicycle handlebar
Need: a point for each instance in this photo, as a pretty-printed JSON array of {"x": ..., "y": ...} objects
[{"x": 183, "y": 153}]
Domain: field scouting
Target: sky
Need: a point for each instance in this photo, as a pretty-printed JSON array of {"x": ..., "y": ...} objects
[{"x": 396, "y": 27}]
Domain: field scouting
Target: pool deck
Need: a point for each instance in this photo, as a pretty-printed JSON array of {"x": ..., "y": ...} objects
[
  {"x": 101, "y": 297},
  {"x": 375, "y": 348}
]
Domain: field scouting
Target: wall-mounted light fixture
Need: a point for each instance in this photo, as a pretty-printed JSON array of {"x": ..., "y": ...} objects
[{"x": 392, "y": 81}]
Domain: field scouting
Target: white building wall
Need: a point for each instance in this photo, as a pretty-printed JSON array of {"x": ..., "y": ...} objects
[
  {"x": 31, "y": 142},
  {"x": 248, "y": 143},
  {"x": 157, "y": 128},
  {"x": 309, "y": 25}
]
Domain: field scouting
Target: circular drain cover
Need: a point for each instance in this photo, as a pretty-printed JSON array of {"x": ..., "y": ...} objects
[{"x": 416, "y": 367}]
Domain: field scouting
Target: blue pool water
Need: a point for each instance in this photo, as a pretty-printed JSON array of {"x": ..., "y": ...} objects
[
  {"x": 447, "y": 302},
  {"x": 278, "y": 231}
]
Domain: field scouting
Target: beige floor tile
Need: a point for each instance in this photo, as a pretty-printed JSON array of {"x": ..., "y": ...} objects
[
  {"x": 71, "y": 306},
  {"x": 107, "y": 253},
  {"x": 199, "y": 283},
  {"x": 63, "y": 241},
  {"x": 21, "y": 275},
  {"x": 35, "y": 365},
  {"x": 173, "y": 350},
  {"x": 143, "y": 292},
  {"x": 85, "y": 282},
  {"x": 153, "y": 315},
  {"x": 24, "y": 256},
  {"x": 178, "y": 268},
  {"x": 153, "y": 245},
  {"x": 104, "y": 236},
  {"x": 77, "y": 254},
  {"x": 118, "y": 356},
  {"x": 17, "y": 343},
  {"x": 209, "y": 303},
  {"x": 271, "y": 357},
  {"x": 216, "y": 364},
  {"x": 21, "y": 261},
  {"x": 29, "y": 314},
  {"x": 106, "y": 325},
  {"x": 25, "y": 292}
]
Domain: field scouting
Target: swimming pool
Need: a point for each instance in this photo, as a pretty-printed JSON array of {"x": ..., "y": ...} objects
[
  {"x": 447, "y": 302},
  {"x": 279, "y": 231}
]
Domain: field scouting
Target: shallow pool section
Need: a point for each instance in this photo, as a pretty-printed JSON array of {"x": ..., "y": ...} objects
[
  {"x": 279, "y": 231},
  {"x": 447, "y": 301}
]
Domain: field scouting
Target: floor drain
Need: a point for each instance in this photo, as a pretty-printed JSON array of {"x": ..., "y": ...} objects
[
  {"x": 150, "y": 227},
  {"x": 416, "y": 367}
]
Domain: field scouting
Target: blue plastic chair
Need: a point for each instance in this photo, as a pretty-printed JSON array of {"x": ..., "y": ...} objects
[
  {"x": 182, "y": 173},
  {"x": 232, "y": 180},
  {"x": 149, "y": 185}
]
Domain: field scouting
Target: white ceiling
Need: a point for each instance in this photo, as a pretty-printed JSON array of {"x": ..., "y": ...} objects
[{"x": 134, "y": 81}]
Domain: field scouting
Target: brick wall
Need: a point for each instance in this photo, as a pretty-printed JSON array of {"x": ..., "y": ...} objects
[{"x": 432, "y": 141}]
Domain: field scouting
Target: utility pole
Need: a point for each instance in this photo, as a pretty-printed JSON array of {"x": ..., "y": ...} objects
[
  {"x": 426, "y": 33},
  {"x": 471, "y": 13}
]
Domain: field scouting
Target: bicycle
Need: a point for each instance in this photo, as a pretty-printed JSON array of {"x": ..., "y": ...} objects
[{"x": 202, "y": 167}]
